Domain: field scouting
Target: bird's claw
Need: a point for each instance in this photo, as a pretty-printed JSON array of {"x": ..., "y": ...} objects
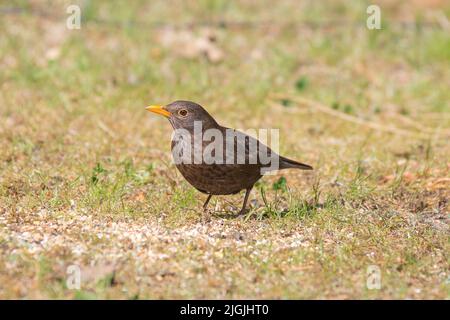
[
  {"x": 243, "y": 214},
  {"x": 206, "y": 216}
]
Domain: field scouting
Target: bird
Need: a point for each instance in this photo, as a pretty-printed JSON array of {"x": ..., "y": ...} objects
[{"x": 218, "y": 172}]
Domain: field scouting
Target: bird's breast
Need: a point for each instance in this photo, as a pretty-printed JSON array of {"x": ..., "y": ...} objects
[{"x": 201, "y": 170}]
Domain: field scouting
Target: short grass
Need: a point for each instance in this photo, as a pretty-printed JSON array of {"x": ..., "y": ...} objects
[{"x": 86, "y": 176}]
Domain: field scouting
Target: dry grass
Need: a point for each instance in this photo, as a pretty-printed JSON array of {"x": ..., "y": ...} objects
[{"x": 86, "y": 176}]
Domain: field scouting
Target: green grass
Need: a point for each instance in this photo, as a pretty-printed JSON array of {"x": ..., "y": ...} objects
[{"x": 86, "y": 176}]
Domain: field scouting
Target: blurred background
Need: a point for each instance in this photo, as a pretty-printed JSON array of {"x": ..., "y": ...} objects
[
  {"x": 225, "y": 53},
  {"x": 86, "y": 174}
]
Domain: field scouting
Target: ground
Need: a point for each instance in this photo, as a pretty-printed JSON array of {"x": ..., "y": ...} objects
[{"x": 86, "y": 178}]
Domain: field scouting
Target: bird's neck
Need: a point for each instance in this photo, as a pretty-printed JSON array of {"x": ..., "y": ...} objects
[{"x": 200, "y": 126}]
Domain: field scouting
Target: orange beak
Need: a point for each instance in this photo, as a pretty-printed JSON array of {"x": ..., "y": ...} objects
[{"x": 159, "y": 110}]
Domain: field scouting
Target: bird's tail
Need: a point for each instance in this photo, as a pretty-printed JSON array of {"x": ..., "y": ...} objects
[{"x": 286, "y": 163}]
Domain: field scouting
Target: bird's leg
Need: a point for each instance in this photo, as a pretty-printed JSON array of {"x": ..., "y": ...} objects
[
  {"x": 247, "y": 193},
  {"x": 206, "y": 202},
  {"x": 206, "y": 215}
]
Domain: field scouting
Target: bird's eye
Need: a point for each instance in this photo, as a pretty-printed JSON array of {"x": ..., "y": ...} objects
[{"x": 183, "y": 113}]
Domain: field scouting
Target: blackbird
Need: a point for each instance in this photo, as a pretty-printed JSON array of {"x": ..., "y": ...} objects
[{"x": 233, "y": 165}]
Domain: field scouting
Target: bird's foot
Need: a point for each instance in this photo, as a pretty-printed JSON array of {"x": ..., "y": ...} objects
[
  {"x": 206, "y": 216},
  {"x": 243, "y": 213}
]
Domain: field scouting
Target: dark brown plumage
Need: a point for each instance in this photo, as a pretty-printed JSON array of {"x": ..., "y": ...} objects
[{"x": 218, "y": 177}]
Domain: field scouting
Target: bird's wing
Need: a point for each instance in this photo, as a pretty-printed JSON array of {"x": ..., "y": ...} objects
[{"x": 242, "y": 148}]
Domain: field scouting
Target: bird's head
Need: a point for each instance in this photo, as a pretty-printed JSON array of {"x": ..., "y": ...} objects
[{"x": 183, "y": 114}]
